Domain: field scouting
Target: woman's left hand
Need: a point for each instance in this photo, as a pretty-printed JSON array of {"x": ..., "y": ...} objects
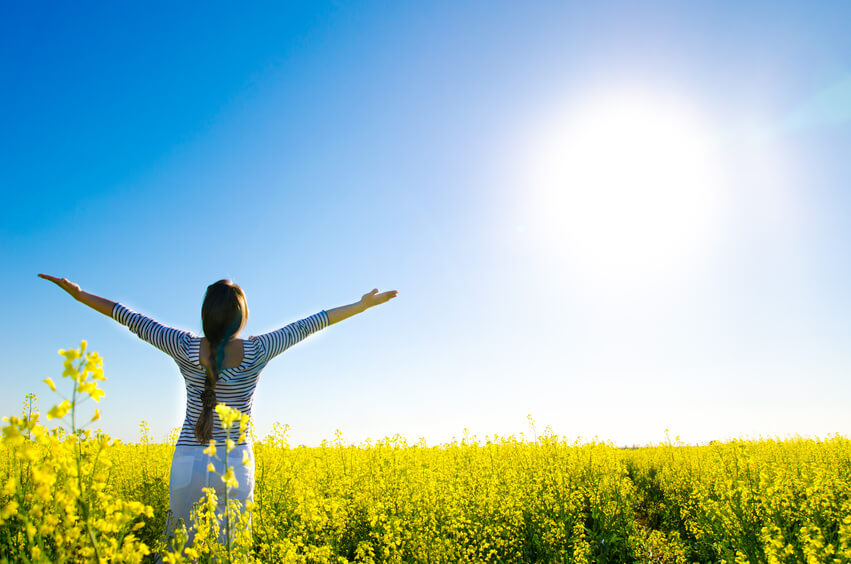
[
  {"x": 373, "y": 298},
  {"x": 65, "y": 284}
]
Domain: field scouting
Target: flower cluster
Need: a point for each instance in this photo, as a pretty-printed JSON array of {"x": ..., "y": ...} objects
[{"x": 56, "y": 502}]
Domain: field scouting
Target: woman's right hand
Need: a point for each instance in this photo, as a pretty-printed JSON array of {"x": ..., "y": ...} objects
[
  {"x": 65, "y": 284},
  {"x": 373, "y": 298}
]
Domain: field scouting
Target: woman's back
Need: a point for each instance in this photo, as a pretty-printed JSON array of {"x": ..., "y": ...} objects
[
  {"x": 244, "y": 360},
  {"x": 234, "y": 352},
  {"x": 235, "y": 387}
]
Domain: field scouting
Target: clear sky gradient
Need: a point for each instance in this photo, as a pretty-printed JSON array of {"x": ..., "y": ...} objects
[{"x": 311, "y": 152}]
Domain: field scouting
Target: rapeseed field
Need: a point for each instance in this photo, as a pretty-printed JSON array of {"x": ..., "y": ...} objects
[{"x": 73, "y": 494}]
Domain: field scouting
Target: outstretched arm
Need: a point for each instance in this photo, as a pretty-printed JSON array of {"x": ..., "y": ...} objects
[
  {"x": 95, "y": 302},
  {"x": 276, "y": 342},
  {"x": 167, "y": 339},
  {"x": 368, "y": 300}
]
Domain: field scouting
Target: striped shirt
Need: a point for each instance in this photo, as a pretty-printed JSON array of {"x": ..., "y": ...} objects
[{"x": 236, "y": 385}]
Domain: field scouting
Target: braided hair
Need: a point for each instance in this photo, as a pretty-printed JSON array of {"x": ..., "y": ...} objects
[{"x": 223, "y": 315}]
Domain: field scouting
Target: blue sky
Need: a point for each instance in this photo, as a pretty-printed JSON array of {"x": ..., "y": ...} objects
[{"x": 311, "y": 152}]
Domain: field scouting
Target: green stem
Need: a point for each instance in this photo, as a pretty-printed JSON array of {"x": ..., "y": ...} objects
[
  {"x": 227, "y": 499},
  {"x": 78, "y": 451}
]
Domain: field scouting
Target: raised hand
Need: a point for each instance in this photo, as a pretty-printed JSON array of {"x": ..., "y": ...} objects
[
  {"x": 65, "y": 284},
  {"x": 97, "y": 303},
  {"x": 373, "y": 298}
]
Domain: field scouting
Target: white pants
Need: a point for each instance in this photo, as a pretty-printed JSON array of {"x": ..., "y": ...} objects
[{"x": 189, "y": 475}]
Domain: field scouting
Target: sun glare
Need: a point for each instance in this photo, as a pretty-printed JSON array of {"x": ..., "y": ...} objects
[{"x": 625, "y": 189}]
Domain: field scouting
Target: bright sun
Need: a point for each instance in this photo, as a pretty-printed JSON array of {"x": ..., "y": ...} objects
[{"x": 624, "y": 188}]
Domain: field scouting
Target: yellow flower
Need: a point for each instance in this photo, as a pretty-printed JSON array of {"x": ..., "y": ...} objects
[
  {"x": 210, "y": 467},
  {"x": 59, "y": 411},
  {"x": 9, "y": 510},
  {"x": 230, "y": 479},
  {"x": 50, "y": 383},
  {"x": 211, "y": 450},
  {"x": 69, "y": 354},
  {"x": 12, "y": 435},
  {"x": 227, "y": 415},
  {"x": 93, "y": 391},
  {"x": 96, "y": 416}
]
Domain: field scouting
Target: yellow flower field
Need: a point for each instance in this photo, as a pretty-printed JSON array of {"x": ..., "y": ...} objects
[{"x": 75, "y": 495}]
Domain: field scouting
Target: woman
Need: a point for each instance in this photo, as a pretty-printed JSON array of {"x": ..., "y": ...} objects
[{"x": 216, "y": 368}]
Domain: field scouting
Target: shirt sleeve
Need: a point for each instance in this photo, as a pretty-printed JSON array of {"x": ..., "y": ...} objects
[
  {"x": 276, "y": 342},
  {"x": 167, "y": 339}
]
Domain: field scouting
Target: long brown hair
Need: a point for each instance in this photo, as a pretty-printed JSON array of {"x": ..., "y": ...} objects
[{"x": 223, "y": 315}]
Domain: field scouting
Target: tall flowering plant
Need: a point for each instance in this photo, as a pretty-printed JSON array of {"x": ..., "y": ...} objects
[
  {"x": 55, "y": 505},
  {"x": 223, "y": 536}
]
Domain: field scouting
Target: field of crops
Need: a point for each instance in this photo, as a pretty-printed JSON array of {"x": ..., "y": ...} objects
[{"x": 78, "y": 496}]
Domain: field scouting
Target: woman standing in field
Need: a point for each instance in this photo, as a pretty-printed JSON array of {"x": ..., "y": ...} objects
[{"x": 216, "y": 368}]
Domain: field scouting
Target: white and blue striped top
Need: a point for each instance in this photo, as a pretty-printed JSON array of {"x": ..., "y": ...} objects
[{"x": 236, "y": 385}]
